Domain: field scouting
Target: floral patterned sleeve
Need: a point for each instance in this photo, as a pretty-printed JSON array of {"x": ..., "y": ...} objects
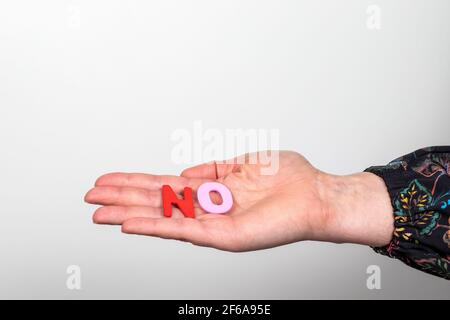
[{"x": 419, "y": 186}]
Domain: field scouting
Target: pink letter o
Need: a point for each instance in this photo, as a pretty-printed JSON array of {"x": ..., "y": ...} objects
[{"x": 205, "y": 200}]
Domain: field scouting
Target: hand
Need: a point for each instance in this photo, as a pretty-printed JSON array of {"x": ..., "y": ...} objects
[{"x": 296, "y": 203}]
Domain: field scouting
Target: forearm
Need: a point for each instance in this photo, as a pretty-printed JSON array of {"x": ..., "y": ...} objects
[
  {"x": 401, "y": 209},
  {"x": 358, "y": 210}
]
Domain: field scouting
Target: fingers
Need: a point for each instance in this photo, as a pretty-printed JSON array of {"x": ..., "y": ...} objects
[
  {"x": 190, "y": 230},
  {"x": 117, "y": 215},
  {"x": 123, "y": 196},
  {"x": 147, "y": 181},
  {"x": 211, "y": 170},
  {"x": 126, "y": 196}
]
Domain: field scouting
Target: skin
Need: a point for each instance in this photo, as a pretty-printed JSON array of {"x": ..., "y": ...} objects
[{"x": 297, "y": 203}]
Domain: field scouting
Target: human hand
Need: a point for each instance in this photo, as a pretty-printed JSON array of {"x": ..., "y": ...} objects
[{"x": 296, "y": 203}]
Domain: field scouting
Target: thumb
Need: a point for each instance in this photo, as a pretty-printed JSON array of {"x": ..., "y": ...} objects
[{"x": 210, "y": 170}]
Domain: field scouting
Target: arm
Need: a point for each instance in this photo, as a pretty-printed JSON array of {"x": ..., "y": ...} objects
[
  {"x": 296, "y": 202},
  {"x": 419, "y": 188}
]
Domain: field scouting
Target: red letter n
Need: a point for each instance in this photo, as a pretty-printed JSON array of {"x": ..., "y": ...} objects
[{"x": 186, "y": 205}]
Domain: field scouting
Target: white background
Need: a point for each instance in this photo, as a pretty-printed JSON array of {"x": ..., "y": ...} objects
[{"x": 88, "y": 87}]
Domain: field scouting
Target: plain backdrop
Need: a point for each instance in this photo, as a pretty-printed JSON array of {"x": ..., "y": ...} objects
[{"x": 88, "y": 87}]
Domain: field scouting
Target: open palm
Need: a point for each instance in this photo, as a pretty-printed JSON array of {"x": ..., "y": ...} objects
[{"x": 268, "y": 210}]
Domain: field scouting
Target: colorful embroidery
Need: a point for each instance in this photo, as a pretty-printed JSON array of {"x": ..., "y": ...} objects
[{"x": 419, "y": 185}]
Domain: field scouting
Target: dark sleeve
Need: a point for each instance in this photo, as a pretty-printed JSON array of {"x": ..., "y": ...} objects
[{"x": 419, "y": 187}]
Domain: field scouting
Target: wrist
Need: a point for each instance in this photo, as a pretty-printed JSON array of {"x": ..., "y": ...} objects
[{"x": 357, "y": 209}]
